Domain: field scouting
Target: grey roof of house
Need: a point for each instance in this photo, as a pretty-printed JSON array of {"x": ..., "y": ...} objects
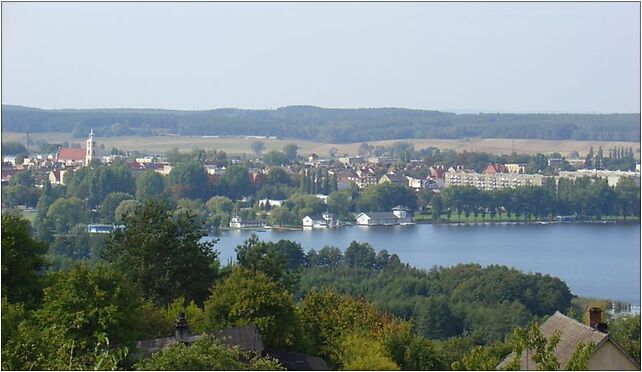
[
  {"x": 246, "y": 338},
  {"x": 297, "y": 361},
  {"x": 572, "y": 333},
  {"x": 380, "y": 215}
]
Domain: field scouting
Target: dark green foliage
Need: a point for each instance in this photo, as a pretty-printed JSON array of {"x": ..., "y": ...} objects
[
  {"x": 235, "y": 182},
  {"x": 188, "y": 180},
  {"x": 485, "y": 303},
  {"x": 385, "y": 196},
  {"x": 626, "y": 331},
  {"x": 83, "y": 312},
  {"x": 149, "y": 184},
  {"x": 206, "y": 354},
  {"x": 110, "y": 203},
  {"x": 275, "y": 158},
  {"x": 13, "y": 196},
  {"x": 13, "y": 148},
  {"x": 281, "y": 261},
  {"x": 24, "y": 178},
  {"x": 163, "y": 255},
  {"x": 22, "y": 260},
  {"x": 360, "y": 255},
  {"x": 251, "y": 297},
  {"x": 327, "y": 125}
]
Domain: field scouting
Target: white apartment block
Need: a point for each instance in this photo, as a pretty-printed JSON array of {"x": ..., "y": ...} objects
[
  {"x": 492, "y": 181},
  {"x": 613, "y": 177}
]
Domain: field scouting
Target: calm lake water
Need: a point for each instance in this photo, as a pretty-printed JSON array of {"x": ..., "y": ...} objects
[{"x": 596, "y": 260}]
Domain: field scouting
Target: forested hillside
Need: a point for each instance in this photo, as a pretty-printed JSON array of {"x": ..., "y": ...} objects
[{"x": 325, "y": 125}]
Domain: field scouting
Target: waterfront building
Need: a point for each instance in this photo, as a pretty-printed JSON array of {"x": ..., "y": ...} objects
[
  {"x": 492, "y": 181},
  {"x": 398, "y": 216},
  {"x": 320, "y": 221},
  {"x": 238, "y": 223}
]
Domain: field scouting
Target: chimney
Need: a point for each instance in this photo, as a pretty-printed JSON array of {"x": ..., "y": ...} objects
[
  {"x": 181, "y": 328},
  {"x": 595, "y": 319}
]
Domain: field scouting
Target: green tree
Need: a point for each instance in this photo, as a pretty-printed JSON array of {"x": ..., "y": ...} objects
[
  {"x": 66, "y": 213},
  {"x": 111, "y": 202},
  {"x": 149, "y": 184},
  {"x": 22, "y": 260},
  {"x": 281, "y": 261},
  {"x": 163, "y": 254},
  {"x": 83, "y": 312},
  {"x": 339, "y": 203},
  {"x": 360, "y": 255},
  {"x": 257, "y": 147},
  {"x": 220, "y": 204},
  {"x": 275, "y": 158},
  {"x": 188, "y": 180},
  {"x": 383, "y": 197},
  {"x": 125, "y": 208},
  {"x": 236, "y": 182},
  {"x": 626, "y": 331},
  {"x": 581, "y": 355},
  {"x": 25, "y": 178},
  {"x": 251, "y": 297},
  {"x": 540, "y": 349},
  {"x": 290, "y": 151},
  {"x": 362, "y": 353}
]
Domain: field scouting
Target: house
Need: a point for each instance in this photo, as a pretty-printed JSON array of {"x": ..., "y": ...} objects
[
  {"x": 71, "y": 156},
  {"x": 246, "y": 338},
  {"x": 57, "y": 177},
  {"x": 495, "y": 168},
  {"x": 437, "y": 172},
  {"x": 344, "y": 178},
  {"x": 417, "y": 183},
  {"x": 320, "y": 221},
  {"x": 238, "y": 223},
  {"x": 97, "y": 228},
  {"x": 607, "y": 354},
  {"x": 397, "y": 178},
  {"x": 518, "y": 168},
  {"x": 271, "y": 202},
  {"x": 398, "y": 216}
]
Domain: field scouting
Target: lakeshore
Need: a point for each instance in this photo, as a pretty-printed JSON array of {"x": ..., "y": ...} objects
[{"x": 574, "y": 252}]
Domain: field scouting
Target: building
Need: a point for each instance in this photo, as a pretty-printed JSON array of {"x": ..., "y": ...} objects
[
  {"x": 57, "y": 177},
  {"x": 607, "y": 354},
  {"x": 71, "y": 156},
  {"x": 518, "y": 168},
  {"x": 612, "y": 177},
  {"x": 492, "y": 181},
  {"x": 271, "y": 202},
  {"x": 247, "y": 339},
  {"x": 397, "y": 178},
  {"x": 322, "y": 221},
  {"x": 97, "y": 228},
  {"x": 249, "y": 223},
  {"x": 91, "y": 149},
  {"x": 398, "y": 216},
  {"x": 495, "y": 168}
]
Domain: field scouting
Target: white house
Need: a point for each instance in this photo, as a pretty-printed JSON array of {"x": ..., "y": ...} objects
[
  {"x": 320, "y": 222},
  {"x": 271, "y": 202},
  {"x": 238, "y": 223},
  {"x": 398, "y": 216}
]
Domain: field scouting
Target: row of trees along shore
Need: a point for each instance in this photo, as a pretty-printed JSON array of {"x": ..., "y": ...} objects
[
  {"x": 587, "y": 198},
  {"x": 358, "y": 309}
]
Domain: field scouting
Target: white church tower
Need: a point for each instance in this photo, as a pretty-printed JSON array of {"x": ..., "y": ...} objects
[{"x": 91, "y": 149}]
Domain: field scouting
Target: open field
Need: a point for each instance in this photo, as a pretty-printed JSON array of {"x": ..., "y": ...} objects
[{"x": 239, "y": 145}]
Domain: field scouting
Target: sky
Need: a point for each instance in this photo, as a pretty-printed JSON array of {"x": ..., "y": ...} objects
[{"x": 491, "y": 57}]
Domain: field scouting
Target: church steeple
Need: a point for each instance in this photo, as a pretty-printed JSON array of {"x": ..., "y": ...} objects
[{"x": 91, "y": 149}]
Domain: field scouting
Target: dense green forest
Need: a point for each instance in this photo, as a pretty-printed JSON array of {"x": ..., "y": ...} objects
[
  {"x": 358, "y": 309},
  {"x": 325, "y": 125}
]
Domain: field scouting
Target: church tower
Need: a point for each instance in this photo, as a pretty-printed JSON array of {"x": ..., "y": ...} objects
[{"x": 91, "y": 149}]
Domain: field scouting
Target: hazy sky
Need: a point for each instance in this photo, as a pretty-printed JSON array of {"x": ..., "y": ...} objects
[{"x": 529, "y": 57}]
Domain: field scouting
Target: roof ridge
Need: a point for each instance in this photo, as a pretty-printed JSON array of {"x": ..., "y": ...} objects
[{"x": 587, "y": 327}]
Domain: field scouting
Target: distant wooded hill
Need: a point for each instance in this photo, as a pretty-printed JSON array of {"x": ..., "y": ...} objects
[{"x": 325, "y": 125}]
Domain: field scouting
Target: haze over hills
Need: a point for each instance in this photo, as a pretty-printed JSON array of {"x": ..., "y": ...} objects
[{"x": 330, "y": 125}]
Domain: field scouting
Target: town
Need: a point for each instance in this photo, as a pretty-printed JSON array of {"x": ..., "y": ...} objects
[{"x": 395, "y": 185}]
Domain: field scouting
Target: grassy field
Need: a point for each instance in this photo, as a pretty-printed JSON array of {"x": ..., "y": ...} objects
[{"x": 239, "y": 145}]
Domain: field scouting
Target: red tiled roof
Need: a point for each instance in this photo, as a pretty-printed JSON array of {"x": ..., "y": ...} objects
[{"x": 76, "y": 154}]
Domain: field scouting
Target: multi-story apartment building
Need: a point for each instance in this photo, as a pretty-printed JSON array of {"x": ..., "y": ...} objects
[
  {"x": 613, "y": 177},
  {"x": 492, "y": 181}
]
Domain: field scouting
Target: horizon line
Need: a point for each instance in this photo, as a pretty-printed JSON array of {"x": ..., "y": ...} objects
[{"x": 462, "y": 111}]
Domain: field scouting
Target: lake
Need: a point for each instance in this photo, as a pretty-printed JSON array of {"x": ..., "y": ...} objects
[{"x": 595, "y": 260}]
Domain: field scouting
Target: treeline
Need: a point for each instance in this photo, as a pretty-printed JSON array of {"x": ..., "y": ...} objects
[
  {"x": 482, "y": 303},
  {"x": 586, "y": 198},
  {"x": 90, "y": 315},
  {"x": 325, "y": 125}
]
